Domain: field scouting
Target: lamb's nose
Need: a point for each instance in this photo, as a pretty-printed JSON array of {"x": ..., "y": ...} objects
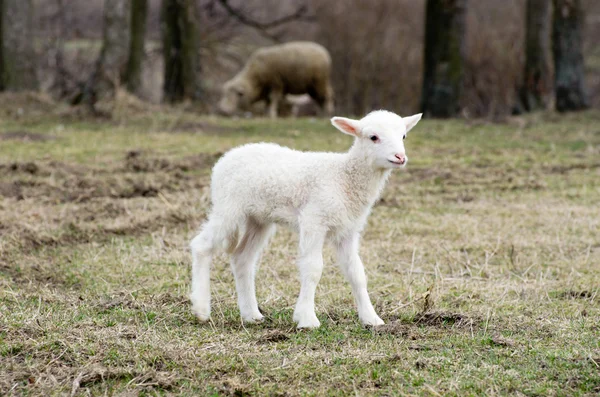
[{"x": 400, "y": 158}]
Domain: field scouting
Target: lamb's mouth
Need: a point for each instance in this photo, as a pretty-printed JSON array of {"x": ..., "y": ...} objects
[{"x": 397, "y": 162}]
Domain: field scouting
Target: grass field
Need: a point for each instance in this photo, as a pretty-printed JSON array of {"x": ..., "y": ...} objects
[{"x": 483, "y": 258}]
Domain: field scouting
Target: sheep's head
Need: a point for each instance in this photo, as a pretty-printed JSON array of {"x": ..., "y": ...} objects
[
  {"x": 380, "y": 136},
  {"x": 236, "y": 96}
]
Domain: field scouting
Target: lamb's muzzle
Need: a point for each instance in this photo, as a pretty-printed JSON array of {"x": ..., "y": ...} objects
[{"x": 323, "y": 196}]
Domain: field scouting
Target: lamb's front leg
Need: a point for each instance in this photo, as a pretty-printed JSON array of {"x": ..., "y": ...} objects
[
  {"x": 352, "y": 267},
  {"x": 310, "y": 264}
]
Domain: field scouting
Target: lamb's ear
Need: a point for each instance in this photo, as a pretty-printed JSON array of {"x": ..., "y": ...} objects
[
  {"x": 411, "y": 121},
  {"x": 347, "y": 126}
]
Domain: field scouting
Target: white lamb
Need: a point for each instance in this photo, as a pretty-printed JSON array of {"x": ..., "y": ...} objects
[{"x": 324, "y": 196}]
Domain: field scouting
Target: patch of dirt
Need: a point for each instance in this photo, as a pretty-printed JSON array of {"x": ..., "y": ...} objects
[
  {"x": 139, "y": 176},
  {"x": 445, "y": 319},
  {"x": 122, "y": 301},
  {"x": 17, "y": 167},
  {"x": 138, "y": 161},
  {"x": 11, "y": 190},
  {"x": 571, "y": 294},
  {"x": 25, "y": 136},
  {"x": 406, "y": 327},
  {"x": 394, "y": 328},
  {"x": 274, "y": 335}
]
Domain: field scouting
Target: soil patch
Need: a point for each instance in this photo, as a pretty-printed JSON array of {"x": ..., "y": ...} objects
[
  {"x": 394, "y": 328},
  {"x": 140, "y": 176},
  {"x": 21, "y": 167},
  {"x": 11, "y": 190},
  {"x": 445, "y": 319},
  {"x": 274, "y": 335},
  {"x": 138, "y": 161},
  {"x": 571, "y": 294}
]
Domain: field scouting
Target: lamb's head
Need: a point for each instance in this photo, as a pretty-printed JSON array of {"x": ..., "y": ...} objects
[
  {"x": 380, "y": 136},
  {"x": 236, "y": 95}
]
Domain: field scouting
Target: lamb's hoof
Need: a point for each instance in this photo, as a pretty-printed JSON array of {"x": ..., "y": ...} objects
[
  {"x": 253, "y": 318},
  {"x": 374, "y": 321},
  {"x": 201, "y": 311},
  {"x": 201, "y": 316},
  {"x": 307, "y": 320}
]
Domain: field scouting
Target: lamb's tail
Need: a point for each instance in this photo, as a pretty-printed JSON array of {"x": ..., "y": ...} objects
[{"x": 215, "y": 235}]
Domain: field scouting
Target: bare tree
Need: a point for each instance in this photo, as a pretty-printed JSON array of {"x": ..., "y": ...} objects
[
  {"x": 17, "y": 56},
  {"x": 133, "y": 72},
  {"x": 535, "y": 89},
  {"x": 179, "y": 25},
  {"x": 113, "y": 55},
  {"x": 1, "y": 47},
  {"x": 445, "y": 30},
  {"x": 59, "y": 43},
  {"x": 569, "y": 78},
  {"x": 299, "y": 14}
]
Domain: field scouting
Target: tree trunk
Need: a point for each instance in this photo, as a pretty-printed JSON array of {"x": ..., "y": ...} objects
[
  {"x": 569, "y": 79},
  {"x": 17, "y": 54},
  {"x": 114, "y": 53},
  {"x": 60, "y": 85},
  {"x": 180, "y": 46},
  {"x": 133, "y": 72},
  {"x": 1, "y": 47},
  {"x": 445, "y": 23},
  {"x": 535, "y": 90}
]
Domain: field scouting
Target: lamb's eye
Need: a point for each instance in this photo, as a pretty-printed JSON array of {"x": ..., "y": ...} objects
[
  {"x": 374, "y": 138},
  {"x": 404, "y": 137}
]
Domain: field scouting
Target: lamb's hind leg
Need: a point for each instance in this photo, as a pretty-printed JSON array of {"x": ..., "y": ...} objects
[
  {"x": 244, "y": 262},
  {"x": 202, "y": 247}
]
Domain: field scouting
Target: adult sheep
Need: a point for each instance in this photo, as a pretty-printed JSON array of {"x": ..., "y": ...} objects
[
  {"x": 295, "y": 68},
  {"x": 324, "y": 196}
]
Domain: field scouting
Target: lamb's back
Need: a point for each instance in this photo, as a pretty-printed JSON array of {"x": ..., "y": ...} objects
[{"x": 268, "y": 176}]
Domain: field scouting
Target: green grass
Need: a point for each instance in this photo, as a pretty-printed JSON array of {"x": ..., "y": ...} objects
[{"x": 483, "y": 258}]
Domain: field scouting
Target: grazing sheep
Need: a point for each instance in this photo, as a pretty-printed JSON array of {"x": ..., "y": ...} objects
[
  {"x": 295, "y": 68},
  {"x": 324, "y": 196}
]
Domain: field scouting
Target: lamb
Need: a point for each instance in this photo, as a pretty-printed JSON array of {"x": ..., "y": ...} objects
[
  {"x": 296, "y": 68},
  {"x": 323, "y": 196}
]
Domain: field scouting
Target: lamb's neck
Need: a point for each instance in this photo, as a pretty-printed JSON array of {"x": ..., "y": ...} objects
[{"x": 364, "y": 182}]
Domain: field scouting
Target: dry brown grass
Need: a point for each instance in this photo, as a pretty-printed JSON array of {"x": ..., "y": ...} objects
[{"x": 483, "y": 259}]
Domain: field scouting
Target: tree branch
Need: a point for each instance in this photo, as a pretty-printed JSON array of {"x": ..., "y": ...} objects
[{"x": 299, "y": 14}]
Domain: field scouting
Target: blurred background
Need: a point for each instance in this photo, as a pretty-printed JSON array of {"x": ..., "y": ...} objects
[{"x": 486, "y": 58}]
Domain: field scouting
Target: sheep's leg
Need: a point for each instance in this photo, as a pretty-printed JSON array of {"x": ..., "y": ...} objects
[
  {"x": 353, "y": 269},
  {"x": 310, "y": 264},
  {"x": 243, "y": 263},
  {"x": 329, "y": 100},
  {"x": 202, "y": 251},
  {"x": 274, "y": 98},
  {"x": 322, "y": 94}
]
